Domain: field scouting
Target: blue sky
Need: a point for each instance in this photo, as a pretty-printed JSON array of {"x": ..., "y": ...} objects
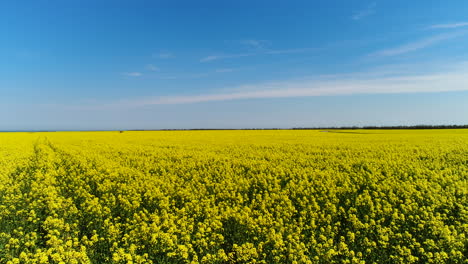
[{"x": 79, "y": 65}]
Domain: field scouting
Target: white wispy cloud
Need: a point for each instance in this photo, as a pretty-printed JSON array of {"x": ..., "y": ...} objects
[
  {"x": 254, "y": 43},
  {"x": 291, "y": 51},
  {"x": 133, "y": 74},
  {"x": 151, "y": 67},
  {"x": 179, "y": 76},
  {"x": 369, "y": 10},
  {"x": 449, "y": 26},
  {"x": 417, "y": 45},
  {"x": 163, "y": 55},
  {"x": 224, "y": 56},
  {"x": 263, "y": 52},
  {"x": 449, "y": 79}
]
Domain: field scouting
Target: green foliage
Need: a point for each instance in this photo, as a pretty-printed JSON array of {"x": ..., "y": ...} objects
[{"x": 234, "y": 197}]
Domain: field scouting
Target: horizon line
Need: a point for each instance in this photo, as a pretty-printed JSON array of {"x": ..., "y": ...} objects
[{"x": 369, "y": 127}]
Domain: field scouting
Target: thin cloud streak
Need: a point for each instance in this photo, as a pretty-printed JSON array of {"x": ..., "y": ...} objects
[
  {"x": 448, "y": 26},
  {"x": 228, "y": 56},
  {"x": 163, "y": 55},
  {"x": 133, "y": 74},
  {"x": 291, "y": 51},
  {"x": 369, "y": 10},
  {"x": 417, "y": 45},
  {"x": 254, "y": 43},
  {"x": 266, "y": 52},
  {"x": 151, "y": 67},
  {"x": 451, "y": 80}
]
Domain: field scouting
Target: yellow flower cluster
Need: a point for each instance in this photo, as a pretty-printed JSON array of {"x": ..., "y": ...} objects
[{"x": 377, "y": 196}]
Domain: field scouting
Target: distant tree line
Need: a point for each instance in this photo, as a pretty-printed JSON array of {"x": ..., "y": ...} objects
[
  {"x": 313, "y": 128},
  {"x": 393, "y": 127}
]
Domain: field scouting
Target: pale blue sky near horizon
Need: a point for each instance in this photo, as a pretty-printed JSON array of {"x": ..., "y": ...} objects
[{"x": 121, "y": 64}]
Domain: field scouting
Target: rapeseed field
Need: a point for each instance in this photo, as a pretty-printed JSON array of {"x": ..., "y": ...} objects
[{"x": 277, "y": 196}]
